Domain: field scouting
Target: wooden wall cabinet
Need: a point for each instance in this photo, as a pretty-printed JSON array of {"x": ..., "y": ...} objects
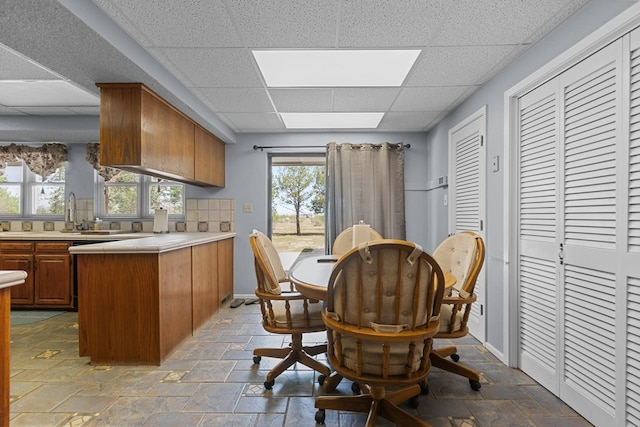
[
  {"x": 49, "y": 268},
  {"x": 209, "y": 158},
  {"x": 141, "y": 132}
]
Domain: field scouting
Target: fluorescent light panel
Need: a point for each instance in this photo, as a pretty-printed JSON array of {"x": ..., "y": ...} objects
[
  {"x": 44, "y": 93},
  {"x": 334, "y": 68},
  {"x": 331, "y": 120}
]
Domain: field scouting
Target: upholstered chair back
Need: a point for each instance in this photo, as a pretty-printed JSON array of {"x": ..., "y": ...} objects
[
  {"x": 382, "y": 311},
  {"x": 344, "y": 241}
]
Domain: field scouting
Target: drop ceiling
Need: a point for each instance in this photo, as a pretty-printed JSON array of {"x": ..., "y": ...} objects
[{"x": 198, "y": 55}]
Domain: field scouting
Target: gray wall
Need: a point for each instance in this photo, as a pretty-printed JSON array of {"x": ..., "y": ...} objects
[
  {"x": 246, "y": 177},
  {"x": 585, "y": 21}
]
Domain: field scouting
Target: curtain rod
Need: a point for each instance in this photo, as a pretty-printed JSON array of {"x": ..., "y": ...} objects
[{"x": 264, "y": 147}]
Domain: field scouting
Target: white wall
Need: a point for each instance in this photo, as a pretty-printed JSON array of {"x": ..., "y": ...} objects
[{"x": 584, "y": 22}]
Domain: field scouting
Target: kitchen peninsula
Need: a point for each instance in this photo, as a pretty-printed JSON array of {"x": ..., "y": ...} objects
[{"x": 138, "y": 299}]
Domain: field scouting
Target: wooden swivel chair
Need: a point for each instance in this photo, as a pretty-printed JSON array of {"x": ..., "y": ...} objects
[
  {"x": 382, "y": 306},
  {"x": 462, "y": 255},
  {"x": 284, "y": 312},
  {"x": 344, "y": 241}
]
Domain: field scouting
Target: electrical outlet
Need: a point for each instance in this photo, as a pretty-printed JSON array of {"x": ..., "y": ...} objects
[{"x": 247, "y": 208}]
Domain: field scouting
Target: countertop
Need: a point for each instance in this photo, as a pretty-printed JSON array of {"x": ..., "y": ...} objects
[
  {"x": 74, "y": 236},
  {"x": 11, "y": 278},
  {"x": 152, "y": 243}
]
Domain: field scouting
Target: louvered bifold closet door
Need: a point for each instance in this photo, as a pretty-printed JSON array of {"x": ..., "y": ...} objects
[
  {"x": 538, "y": 123},
  {"x": 591, "y": 130},
  {"x": 631, "y": 259},
  {"x": 468, "y": 194}
]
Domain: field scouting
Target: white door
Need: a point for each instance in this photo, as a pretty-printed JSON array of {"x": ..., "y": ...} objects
[
  {"x": 570, "y": 140},
  {"x": 467, "y": 154}
]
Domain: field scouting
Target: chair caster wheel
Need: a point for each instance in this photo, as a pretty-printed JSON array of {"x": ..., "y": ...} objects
[
  {"x": 320, "y": 416},
  {"x": 355, "y": 388},
  {"x": 257, "y": 359},
  {"x": 424, "y": 388},
  {"x": 455, "y": 357},
  {"x": 269, "y": 384},
  {"x": 475, "y": 385},
  {"x": 321, "y": 379},
  {"x": 413, "y": 402}
]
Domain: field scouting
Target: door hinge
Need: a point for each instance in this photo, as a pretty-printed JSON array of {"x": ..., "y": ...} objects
[
  {"x": 481, "y": 140},
  {"x": 481, "y": 309},
  {"x": 481, "y": 225}
]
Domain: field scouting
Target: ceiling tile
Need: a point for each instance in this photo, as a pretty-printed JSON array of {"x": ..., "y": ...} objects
[
  {"x": 86, "y": 111},
  {"x": 235, "y": 100},
  {"x": 383, "y": 23},
  {"x": 427, "y": 98},
  {"x": 203, "y": 67},
  {"x": 6, "y": 111},
  {"x": 286, "y": 23},
  {"x": 407, "y": 121},
  {"x": 170, "y": 23},
  {"x": 301, "y": 100},
  {"x": 473, "y": 22},
  {"x": 47, "y": 111},
  {"x": 17, "y": 67},
  {"x": 256, "y": 121},
  {"x": 364, "y": 99},
  {"x": 456, "y": 65}
]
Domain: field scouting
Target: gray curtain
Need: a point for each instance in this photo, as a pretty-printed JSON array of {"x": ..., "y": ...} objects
[{"x": 365, "y": 182}]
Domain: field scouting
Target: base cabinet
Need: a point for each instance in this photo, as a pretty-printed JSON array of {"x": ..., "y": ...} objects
[
  {"x": 137, "y": 308},
  {"x": 49, "y": 268}
]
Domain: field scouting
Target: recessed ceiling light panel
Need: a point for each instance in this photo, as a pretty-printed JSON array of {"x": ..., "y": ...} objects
[
  {"x": 331, "y": 120},
  {"x": 335, "y": 68},
  {"x": 44, "y": 93}
]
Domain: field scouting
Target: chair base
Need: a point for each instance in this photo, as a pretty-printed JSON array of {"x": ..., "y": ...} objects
[
  {"x": 296, "y": 353},
  {"x": 375, "y": 402},
  {"x": 439, "y": 360}
]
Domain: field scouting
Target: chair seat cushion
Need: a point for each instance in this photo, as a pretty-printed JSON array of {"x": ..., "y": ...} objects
[
  {"x": 297, "y": 314},
  {"x": 372, "y": 355},
  {"x": 445, "y": 318}
]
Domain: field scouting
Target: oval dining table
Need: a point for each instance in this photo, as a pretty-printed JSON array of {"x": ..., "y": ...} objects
[{"x": 310, "y": 276}]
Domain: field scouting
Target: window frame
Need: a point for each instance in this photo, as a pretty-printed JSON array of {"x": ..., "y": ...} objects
[
  {"x": 28, "y": 189},
  {"x": 143, "y": 186}
]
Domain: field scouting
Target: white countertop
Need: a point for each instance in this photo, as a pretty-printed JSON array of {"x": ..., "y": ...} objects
[
  {"x": 11, "y": 278},
  {"x": 75, "y": 236},
  {"x": 154, "y": 243}
]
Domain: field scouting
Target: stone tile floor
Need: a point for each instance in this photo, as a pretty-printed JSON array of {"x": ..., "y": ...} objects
[{"x": 211, "y": 381}]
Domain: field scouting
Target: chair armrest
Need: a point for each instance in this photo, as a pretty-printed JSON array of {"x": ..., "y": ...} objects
[
  {"x": 368, "y": 334},
  {"x": 281, "y": 297},
  {"x": 457, "y": 299}
]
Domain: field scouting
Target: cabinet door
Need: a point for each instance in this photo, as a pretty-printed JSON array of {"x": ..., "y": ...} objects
[
  {"x": 209, "y": 159},
  {"x": 53, "y": 280},
  {"x": 205, "y": 292},
  {"x": 225, "y": 268},
  {"x": 20, "y": 294}
]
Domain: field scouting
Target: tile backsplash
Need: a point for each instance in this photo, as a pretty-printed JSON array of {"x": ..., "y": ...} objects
[
  {"x": 217, "y": 214},
  {"x": 212, "y": 215}
]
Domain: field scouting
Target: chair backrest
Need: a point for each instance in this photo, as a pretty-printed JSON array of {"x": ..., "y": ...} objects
[
  {"x": 269, "y": 270},
  {"x": 344, "y": 241},
  {"x": 462, "y": 255},
  {"x": 383, "y": 301}
]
